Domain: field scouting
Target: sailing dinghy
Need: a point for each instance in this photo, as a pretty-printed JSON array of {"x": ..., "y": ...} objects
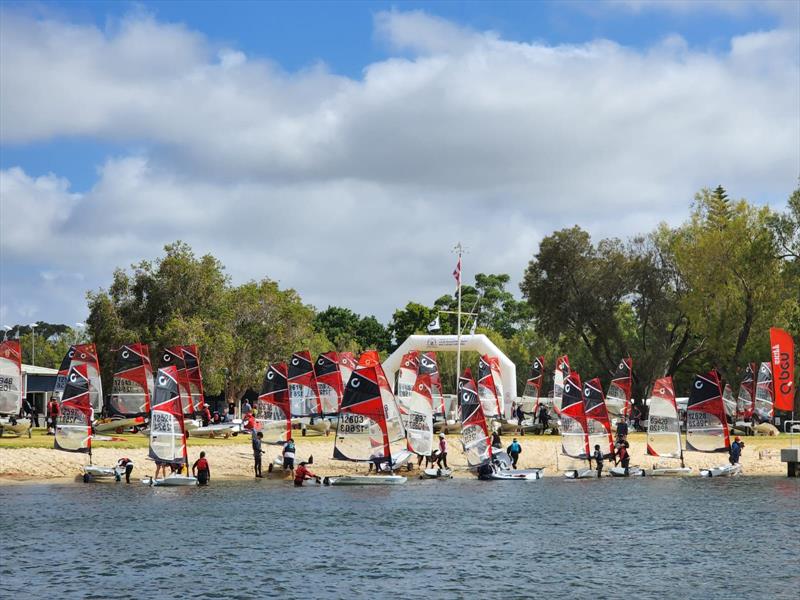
[
  {"x": 167, "y": 430},
  {"x": 706, "y": 423},
  {"x": 11, "y": 390},
  {"x": 574, "y": 427},
  {"x": 664, "y": 429},
  {"x": 362, "y": 433}
]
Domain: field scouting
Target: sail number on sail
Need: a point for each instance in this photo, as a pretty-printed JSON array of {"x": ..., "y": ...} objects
[
  {"x": 659, "y": 424},
  {"x": 352, "y": 424},
  {"x": 7, "y": 384}
]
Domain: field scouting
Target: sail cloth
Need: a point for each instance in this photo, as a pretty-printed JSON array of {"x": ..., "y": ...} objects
[
  {"x": 194, "y": 376},
  {"x": 173, "y": 357},
  {"x": 598, "y": 425},
  {"x": 167, "y": 430},
  {"x": 487, "y": 391},
  {"x": 533, "y": 387},
  {"x": 361, "y": 433},
  {"x": 10, "y": 377},
  {"x": 618, "y": 398},
  {"x": 428, "y": 365},
  {"x": 729, "y": 403},
  {"x": 663, "y": 425},
  {"x": 82, "y": 354},
  {"x": 394, "y": 421},
  {"x": 347, "y": 364},
  {"x": 574, "y": 428},
  {"x": 273, "y": 406},
  {"x": 74, "y": 423},
  {"x": 474, "y": 430},
  {"x": 303, "y": 391},
  {"x": 419, "y": 417},
  {"x": 560, "y": 374},
  {"x": 782, "y": 354},
  {"x": 63, "y": 371},
  {"x": 132, "y": 384},
  {"x": 747, "y": 393},
  {"x": 368, "y": 358},
  {"x": 494, "y": 366},
  {"x": 706, "y": 425},
  {"x": 765, "y": 406},
  {"x": 406, "y": 376},
  {"x": 329, "y": 382}
]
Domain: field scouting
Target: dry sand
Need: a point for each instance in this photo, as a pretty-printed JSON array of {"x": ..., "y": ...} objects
[{"x": 233, "y": 458}]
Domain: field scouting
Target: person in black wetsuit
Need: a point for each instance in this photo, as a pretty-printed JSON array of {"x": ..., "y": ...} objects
[
  {"x": 257, "y": 452},
  {"x": 544, "y": 417},
  {"x": 598, "y": 457}
]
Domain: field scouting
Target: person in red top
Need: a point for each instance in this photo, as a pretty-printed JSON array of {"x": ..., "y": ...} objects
[
  {"x": 53, "y": 409},
  {"x": 205, "y": 415},
  {"x": 302, "y": 473},
  {"x": 201, "y": 469},
  {"x": 623, "y": 457}
]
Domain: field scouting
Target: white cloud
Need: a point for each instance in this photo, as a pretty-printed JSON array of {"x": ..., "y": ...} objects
[{"x": 353, "y": 191}]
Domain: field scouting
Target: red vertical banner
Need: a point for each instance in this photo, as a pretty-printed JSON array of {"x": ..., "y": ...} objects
[{"x": 782, "y": 357}]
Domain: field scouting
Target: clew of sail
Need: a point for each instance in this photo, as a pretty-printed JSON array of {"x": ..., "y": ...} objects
[
  {"x": 10, "y": 378},
  {"x": 132, "y": 383},
  {"x": 406, "y": 378},
  {"x": 487, "y": 390},
  {"x": 663, "y": 425},
  {"x": 574, "y": 428},
  {"x": 531, "y": 396},
  {"x": 764, "y": 408},
  {"x": 706, "y": 425},
  {"x": 745, "y": 402},
  {"x": 194, "y": 376},
  {"x": 560, "y": 375},
  {"x": 273, "y": 405},
  {"x": 329, "y": 382},
  {"x": 173, "y": 357},
  {"x": 303, "y": 391},
  {"x": 419, "y": 417},
  {"x": 167, "y": 430},
  {"x": 597, "y": 422},
  {"x": 428, "y": 365},
  {"x": 618, "y": 398},
  {"x": 474, "y": 428},
  {"x": 74, "y": 423},
  {"x": 361, "y": 432}
]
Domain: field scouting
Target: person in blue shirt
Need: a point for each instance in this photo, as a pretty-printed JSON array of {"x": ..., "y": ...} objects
[
  {"x": 514, "y": 450},
  {"x": 736, "y": 450}
]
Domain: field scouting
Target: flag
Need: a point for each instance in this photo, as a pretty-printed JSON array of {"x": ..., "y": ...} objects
[
  {"x": 782, "y": 355},
  {"x": 457, "y": 272},
  {"x": 434, "y": 325},
  {"x": 474, "y": 327}
]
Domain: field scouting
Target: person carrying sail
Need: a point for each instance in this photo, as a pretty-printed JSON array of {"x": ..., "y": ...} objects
[
  {"x": 598, "y": 457},
  {"x": 302, "y": 473},
  {"x": 514, "y": 450},
  {"x": 623, "y": 457},
  {"x": 288, "y": 455},
  {"x": 201, "y": 469},
  {"x": 736, "y": 450},
  {"x": 257, "y": 452}
]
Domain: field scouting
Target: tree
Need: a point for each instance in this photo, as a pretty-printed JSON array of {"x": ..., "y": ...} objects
[
  {"x": 412, "y": 319},
  {"x": 339, "y": 325}
]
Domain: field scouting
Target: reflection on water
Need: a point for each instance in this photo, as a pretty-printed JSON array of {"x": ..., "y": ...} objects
[{"x": 644, "y": 538}]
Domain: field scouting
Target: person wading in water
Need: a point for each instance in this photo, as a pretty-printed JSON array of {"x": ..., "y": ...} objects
[
  {"x": 202, "y": 470},
  {"x": 302, "y": 473}
]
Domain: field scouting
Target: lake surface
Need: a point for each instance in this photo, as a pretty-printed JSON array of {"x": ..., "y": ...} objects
[{"x": 640, "y": 538}]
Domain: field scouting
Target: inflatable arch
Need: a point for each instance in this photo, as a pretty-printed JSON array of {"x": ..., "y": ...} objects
[{"x": 449, "y": 343}]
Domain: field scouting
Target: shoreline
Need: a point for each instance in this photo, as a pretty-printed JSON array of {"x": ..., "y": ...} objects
[{"x": 232, "y": 458}]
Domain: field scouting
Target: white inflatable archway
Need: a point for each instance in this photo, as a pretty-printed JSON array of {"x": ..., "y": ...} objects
[{"x": 449, "y": 343}]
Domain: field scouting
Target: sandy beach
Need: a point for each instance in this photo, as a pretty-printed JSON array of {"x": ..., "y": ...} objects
[{"x": 232, "y": 458}]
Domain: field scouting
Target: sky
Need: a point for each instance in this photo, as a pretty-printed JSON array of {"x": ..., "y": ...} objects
[{"x": 344, "y": 148}]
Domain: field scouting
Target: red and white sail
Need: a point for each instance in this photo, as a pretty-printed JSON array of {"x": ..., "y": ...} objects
[
  {"x": 597, "y": 421},
  {"x": 173, "y": 357},
  {"x": 347, "y": 364},
  {"x": 474, "y": 428},
  {"x": 329, "y": 382},
  {"x": 368, "y": 358},
  {"x": 487, "y": 390},
  {"x": 618, "y": 398},
  {"x": 764, "y": 408},
  {"x": 429, "y": 365},
  {"x": 194, "y": 376},
  {"x": 132, "y": 385},
  {"x": 82, "y": 354},
  {"x": 663, "y": 424},
  {"x": 419, "y": 417},
  {"x": 560, "y": 375},
  {"x": 273, "y": 406},
  {"x": 533, "y": 387},
  {"x": 730, "y": 404},
  {"x": 406, "y": 377},
  {"x": 706, "y": 423},
  {"x": 303, "y": 390},
  {"x": 74, "y": 422},
  {"x": 745, "y": 402},
  {"x": 574, "y": 427},
  {"x": 11, "y": 386},
  {"x": 167, "y": 427}
]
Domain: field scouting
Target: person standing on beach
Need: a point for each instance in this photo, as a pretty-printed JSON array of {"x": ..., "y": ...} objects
[
  {"x": 623, "y": 457},
  {"x": 246, "y": 409},
  {"x": 598, "y": 457},
  {"x": 202, "y": 470},
  {"x": 205, "y": 415},
  {"x": 496, "y": 441},
  {"x": 544, "y": 417},
  {"x": 514, "y": 450},
  {"x": 35, "y": 415},
  {"x": 288, "y": 455},
  {"x": 622, "y": 431},
  {"x": 736, "y": 450},
  {"x": 520, "y": 415},
  {"x": 442, "y": 452},
  {"x": 52, "y": 413},
  {"x": 257, "y": 452}
]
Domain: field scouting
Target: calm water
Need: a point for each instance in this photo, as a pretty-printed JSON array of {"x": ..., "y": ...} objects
[{"x": 643, "y": 538}]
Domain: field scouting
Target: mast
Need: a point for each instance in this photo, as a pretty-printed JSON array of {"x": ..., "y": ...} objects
[{"x": 457, "y": 274}]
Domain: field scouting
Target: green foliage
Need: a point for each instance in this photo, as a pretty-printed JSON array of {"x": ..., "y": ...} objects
[
  {"x": 349, "y": 331},
  {"x": 413, "y": 319}
]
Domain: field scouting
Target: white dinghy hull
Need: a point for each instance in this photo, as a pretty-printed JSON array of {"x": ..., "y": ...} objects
[
  {"x": 436, "y": 474},
  {"x": 669, "y": 471},
  {"x": 521, "y": 475},
  {"x": 722, "y": 471},
  {"x": 632, "y": 472},
  {"x": 171, "y": 481},
  {"x": 366, "y": 480},
  {"x": 98, "y": 472},
  {"x": 580, "y": 474}
]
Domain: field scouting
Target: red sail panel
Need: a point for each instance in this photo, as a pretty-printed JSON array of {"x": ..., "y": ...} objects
[
  {"x": 574, "y": 428},
  {"x": 560, "y": 375},
  {"x": 74, "y": 422},
  {"x": 474, "y": 429},
  {"x": 407, "y": 376},
  {"x": 194, "y": 376},
  {"x": 429, "y": 365},
  {"x": 303, "y": 390},
  {"x": 782, "y": 354},
  {"x": 597, "y": 421},
  {"x": 347, "y": 364},
  {"x": 533, "y": 387},
  {"x": 11, "y": 391},
  {"x": 706, "y": 425},
  {"x": 618, "y": 398},
  {"x": 132, "y": 383},
  {"x": 487, "y": 390},
  {"x": 173, "y": 357},
  {"x": 274, "y": 407},
  {"x": 361, "y": 432},
  {"x": 86, "y": 354},
  {"x": 329, "y": 382},
  {"x": 368, "y": 358}
]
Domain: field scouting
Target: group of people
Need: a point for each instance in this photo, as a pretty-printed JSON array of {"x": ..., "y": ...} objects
[
  {"x": 540, "y": 416},
  {"x": 300, "y": 475}
]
